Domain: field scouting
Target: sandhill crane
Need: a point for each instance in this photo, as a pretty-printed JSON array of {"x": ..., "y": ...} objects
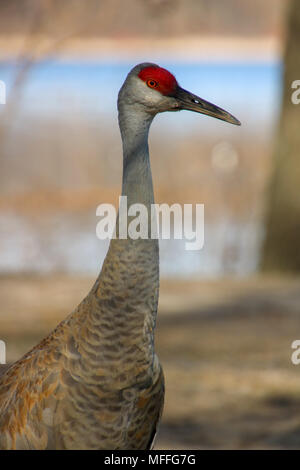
[{"x": 95, "y": 382}]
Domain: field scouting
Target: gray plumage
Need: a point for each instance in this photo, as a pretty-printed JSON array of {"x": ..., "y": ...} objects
[{"x": 95, "y": 382}]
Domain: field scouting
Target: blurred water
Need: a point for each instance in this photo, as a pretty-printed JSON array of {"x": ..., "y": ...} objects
[
  {"x": 68, "y": 243},
  {"x": 251, "y": 91}
]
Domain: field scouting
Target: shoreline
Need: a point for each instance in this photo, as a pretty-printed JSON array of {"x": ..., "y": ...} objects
[{"x": 181, "y": 49}]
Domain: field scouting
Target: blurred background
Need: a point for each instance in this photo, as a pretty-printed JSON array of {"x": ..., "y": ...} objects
[{"x": 228, "y": 313}]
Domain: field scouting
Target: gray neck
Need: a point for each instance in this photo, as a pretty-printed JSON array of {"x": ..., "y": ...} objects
[
  {"x": 137, "y": 179},
  {"x": 127, "y": 287}
]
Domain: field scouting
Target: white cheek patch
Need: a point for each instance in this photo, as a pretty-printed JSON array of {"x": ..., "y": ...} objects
[{"x": 147, "y": 95}]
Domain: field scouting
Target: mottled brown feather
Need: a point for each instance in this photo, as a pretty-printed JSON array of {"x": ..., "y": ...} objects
[{"x": 95, "y": 381}]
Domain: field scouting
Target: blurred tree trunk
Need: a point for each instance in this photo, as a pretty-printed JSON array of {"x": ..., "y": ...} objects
[{"x": 281, "y": 251}]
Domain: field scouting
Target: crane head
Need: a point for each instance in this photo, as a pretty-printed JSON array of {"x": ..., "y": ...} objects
[{"x": 156, "y": 90}]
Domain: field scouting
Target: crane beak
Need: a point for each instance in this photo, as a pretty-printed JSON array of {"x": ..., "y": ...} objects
[{"x": 191, "y": 102}]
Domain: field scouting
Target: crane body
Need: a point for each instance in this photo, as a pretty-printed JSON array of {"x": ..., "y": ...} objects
[{"x": 95, "y": 382}]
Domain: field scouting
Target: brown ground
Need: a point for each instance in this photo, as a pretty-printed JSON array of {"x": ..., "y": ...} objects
[{"x": 225, "y": 347}]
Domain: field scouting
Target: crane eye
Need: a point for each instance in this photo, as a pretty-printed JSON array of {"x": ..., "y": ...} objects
[{"x": 152, "y": 83}]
